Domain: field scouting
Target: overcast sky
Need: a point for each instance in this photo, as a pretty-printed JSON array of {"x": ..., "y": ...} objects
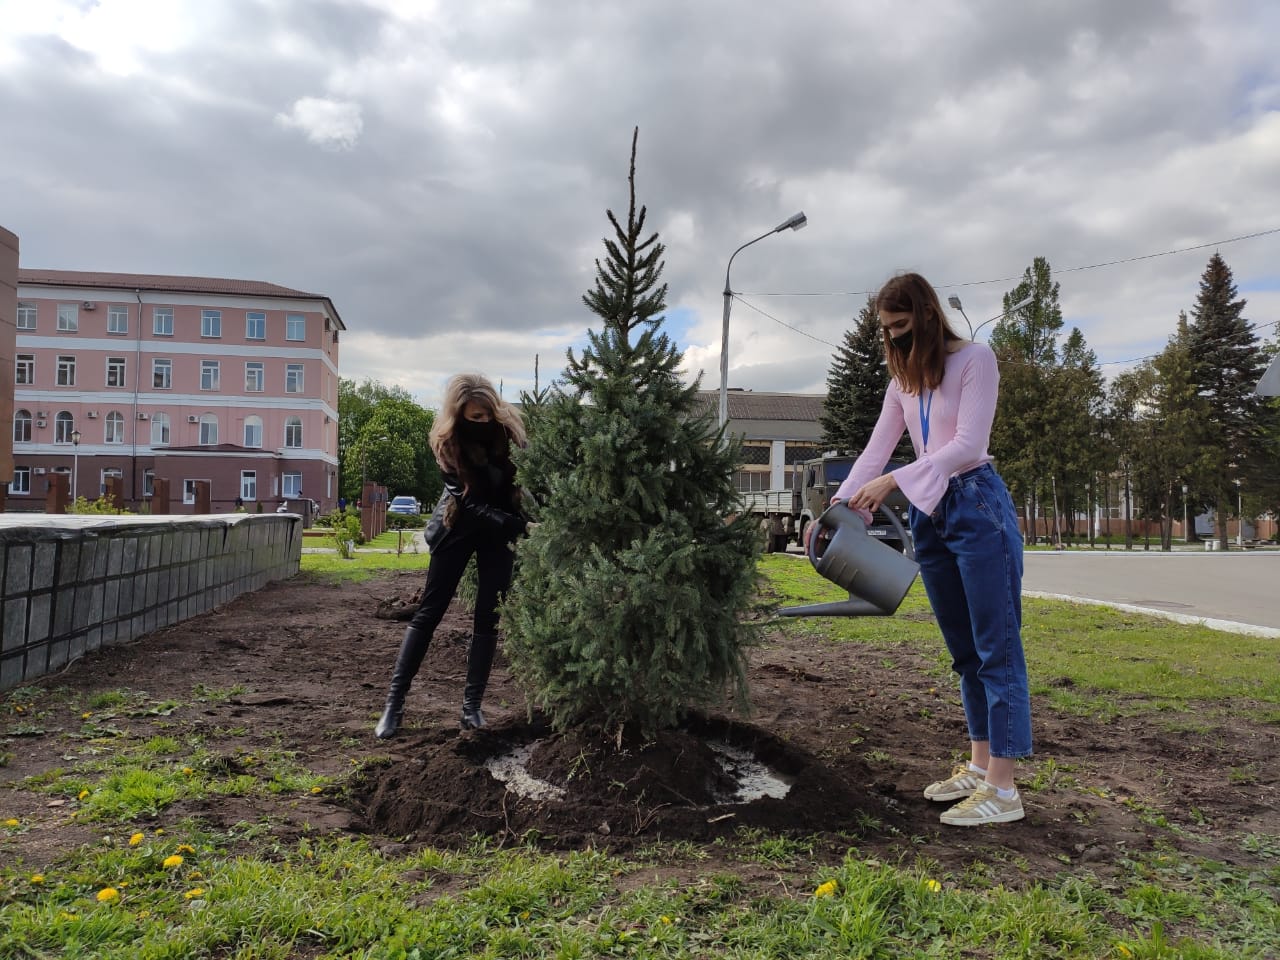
[{"x": 442, "y": 170}]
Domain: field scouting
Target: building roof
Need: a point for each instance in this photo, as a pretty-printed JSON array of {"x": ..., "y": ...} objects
[
  {"x": 168, "y": 284},
  {"x": 758, "y": 405}
]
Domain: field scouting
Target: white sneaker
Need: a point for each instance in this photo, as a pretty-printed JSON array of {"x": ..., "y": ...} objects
[
  {"x": 960, "y": 784},
  {"x": 984, "y": 806}
]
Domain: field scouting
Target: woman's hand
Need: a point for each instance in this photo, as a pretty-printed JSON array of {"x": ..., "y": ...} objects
[{"x": 873, "y": 493}]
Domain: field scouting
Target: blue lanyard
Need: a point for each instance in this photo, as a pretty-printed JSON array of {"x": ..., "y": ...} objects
[{"x": 924, "y": 421}]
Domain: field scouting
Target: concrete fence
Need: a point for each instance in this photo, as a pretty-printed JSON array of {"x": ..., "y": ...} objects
[{"x": 72, "y": 584}]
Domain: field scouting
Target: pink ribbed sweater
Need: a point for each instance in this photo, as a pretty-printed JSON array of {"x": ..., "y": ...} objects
[{"x": 960, "y": 418}]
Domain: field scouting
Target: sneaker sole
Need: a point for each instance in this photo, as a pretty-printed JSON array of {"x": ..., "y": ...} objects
[
  {"x": 1006, "y": 817},
  {"x": 948, "y": 796}
]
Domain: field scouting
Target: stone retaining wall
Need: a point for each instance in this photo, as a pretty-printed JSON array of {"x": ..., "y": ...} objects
[{"x": 73, "y": 584}]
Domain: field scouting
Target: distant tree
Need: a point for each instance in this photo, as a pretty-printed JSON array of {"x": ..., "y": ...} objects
[
  {"x": 629, "y": 604},
  {"x": 356, "y": 401},
  {"x": 403, "y": 462},
  {"x": 1225, "y": 366},
  {"x": 856, "y": 384}
]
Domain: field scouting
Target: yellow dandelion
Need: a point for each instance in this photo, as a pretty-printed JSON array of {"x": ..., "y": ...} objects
[
  {"x": 107, "y": 894},
  {"x": 933, "y": 886},
  {"x": 193, "y": 894},
  {"x": 63, "y": 915},
  {"x": 187, "y": 771},
  {"x": 11, "y": 822},
  {"x": 17, "y": 709},
  {"x": 160, "y": 831},
  {"x": 143, "y": 914},
  {"x": 186, "y": 848},
  {"x": 317, "y": 789},
  {"x": 524, "y": 915},
  {"x": 666, "y": 920},
  {"x": 196, "y": 875},
  {"x": 172, "y": 863},
  {"x": 135, "y": 839},
  {"x": 82, "y": 794},
  {"x": 86, "y": 715},
  {"x": 1123, "y": 950},
  {"x": 37, "y": 878},
  {"x": 826, "y": 890}
]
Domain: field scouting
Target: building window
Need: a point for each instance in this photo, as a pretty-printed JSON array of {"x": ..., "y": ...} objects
[
  {"x": 255, "y": 326},
  {"x": 293, "y": 432},
  {"x": 160, "y": 430},
  {"x": 253, "y": 377},
  {"x": 148, "y": 482},
  {"x": 107, "y": 474},
  {"x": 24, "y": 370},
  {"x": 162, "y": 374},
  {"x": 26, "y": 316},
  {"x": 209, "y": 374},
  {"x": 115, "y": 371},
  {"x": 162, "y": 321},
  {"x": 117, "y": 319},
  {"x": 248, "y": 485},
  {"x": 22, "y": 426},
  {"x": 208, "y": 430},
  {"x": 291, "y": 485},
  {"x": 253, "y": 431},
  {"x": 189, "y": 491},
  {"x": 66, "y": 371},
  {"x": 210, "y": 323},
  {"x": 21, "y": 481},
  {"x": 68, "y": 318},
  {"x": 293, "y": 378},
  {"x": 295, "y": 326},
  {"x": 114, "y": 427},
  {"x": 63, "y": 427}
]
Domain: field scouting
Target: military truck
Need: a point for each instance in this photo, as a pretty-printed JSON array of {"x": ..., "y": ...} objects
[{"x": 785, "y": 513}]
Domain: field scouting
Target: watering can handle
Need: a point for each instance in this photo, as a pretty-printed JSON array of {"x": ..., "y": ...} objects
[{"x": 909, "y": 548}]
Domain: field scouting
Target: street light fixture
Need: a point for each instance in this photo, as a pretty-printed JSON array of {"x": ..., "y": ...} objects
[
  {"x": 76, "y": 464},
  {"x": 794, "y": 222},
  {"x": 954, "y": 302},
  {"x": 1186, "y": 533},
  {"x": 1239, "y": 517}
]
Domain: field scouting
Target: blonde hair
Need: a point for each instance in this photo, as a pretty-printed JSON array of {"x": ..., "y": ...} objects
[{"x": 467, "y": 388}]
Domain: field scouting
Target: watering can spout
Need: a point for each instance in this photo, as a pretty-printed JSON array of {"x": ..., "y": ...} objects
[{"x": 876, "y": 576}]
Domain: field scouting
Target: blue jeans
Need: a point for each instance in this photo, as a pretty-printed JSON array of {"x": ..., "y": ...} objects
[{"x": 970, "y": 555}]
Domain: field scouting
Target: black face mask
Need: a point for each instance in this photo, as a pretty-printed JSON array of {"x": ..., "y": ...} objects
[
  {"x": 902, "y": 342},
  {"x": 487, "y": 433}
]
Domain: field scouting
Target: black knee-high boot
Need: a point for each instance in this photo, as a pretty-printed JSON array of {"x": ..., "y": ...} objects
[
  {"x": 412, "y": 650},
  {"x": 479, "y": 663}
]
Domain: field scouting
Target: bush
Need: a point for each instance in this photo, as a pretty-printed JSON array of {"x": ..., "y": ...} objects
[
  {"x": 406, "y": 521},
  {"x": 346, "y": 534},
  {"x": 102, "y": 505}
]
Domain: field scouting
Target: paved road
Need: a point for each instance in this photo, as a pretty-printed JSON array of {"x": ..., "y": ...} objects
[{"x": 1239, "y": 588}]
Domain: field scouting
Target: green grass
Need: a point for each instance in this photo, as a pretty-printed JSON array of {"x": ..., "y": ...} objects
[
  {"x": 361, "y": 567},
  {"x": 1085, "y": 659}
]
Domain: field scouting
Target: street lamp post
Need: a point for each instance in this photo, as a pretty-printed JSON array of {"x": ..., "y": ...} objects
[
  {"x": 1239, "y": 517},
  {"x": 794, "y": 222},
  {"x": 1186, "y": 533},
  {"x": 954, "y": 303},
  {"x": 75, "y": 463}
]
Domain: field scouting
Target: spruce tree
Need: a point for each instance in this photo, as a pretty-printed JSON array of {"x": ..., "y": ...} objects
[
  {"x": 855, "y": 388},
  {"x": 632, "y": 591},
  {"x": 1225, "y": 366}
]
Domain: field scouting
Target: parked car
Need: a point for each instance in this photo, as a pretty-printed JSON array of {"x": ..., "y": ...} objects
[{"x": 405, "y": 505}]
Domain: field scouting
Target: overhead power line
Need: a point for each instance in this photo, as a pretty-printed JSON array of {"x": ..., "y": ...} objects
[{"x": 1020, "y": 277}]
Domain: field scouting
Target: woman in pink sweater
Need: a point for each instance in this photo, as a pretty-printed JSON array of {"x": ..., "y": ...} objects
[{"x": 943, "y": 392}]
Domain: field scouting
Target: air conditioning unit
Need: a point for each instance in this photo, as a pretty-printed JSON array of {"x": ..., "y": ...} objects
[
  {"x": 42, "y": 413},
  {"x": 38, "y": 471},
  {"x": 92, "y": 414},
  {"x": 89, "y": 305},
  {"x": 42, "y": 423},
  {"x": 142, "y": 415},
  {"x": 193, "y": 419}
]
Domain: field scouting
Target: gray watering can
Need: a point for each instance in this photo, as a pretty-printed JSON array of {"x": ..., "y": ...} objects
[{"x": 876, "y": 575}]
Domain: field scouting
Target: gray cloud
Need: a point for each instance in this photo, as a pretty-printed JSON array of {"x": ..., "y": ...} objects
[{"x": 446, "y": 175}]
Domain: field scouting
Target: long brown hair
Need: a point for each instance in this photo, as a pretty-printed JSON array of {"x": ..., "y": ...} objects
[
  {"x": 462, "y": 389},
  {"x": 922, "y": 368}
]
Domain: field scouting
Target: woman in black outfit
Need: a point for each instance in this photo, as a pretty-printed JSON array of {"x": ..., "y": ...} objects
[{"x": 471, "y": 440}]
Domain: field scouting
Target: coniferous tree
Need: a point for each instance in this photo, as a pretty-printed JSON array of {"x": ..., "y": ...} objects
[
  {"x": 855, "y": 388},
  {"x": 629, "y": 604},
  {"x": 1226, "y": 365}
]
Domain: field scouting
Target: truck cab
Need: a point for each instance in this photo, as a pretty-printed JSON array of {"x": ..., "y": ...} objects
[{"x": 818, "y": 482}]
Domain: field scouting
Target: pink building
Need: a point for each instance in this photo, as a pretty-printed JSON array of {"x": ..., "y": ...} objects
[{"x": 185, "y": 378}]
